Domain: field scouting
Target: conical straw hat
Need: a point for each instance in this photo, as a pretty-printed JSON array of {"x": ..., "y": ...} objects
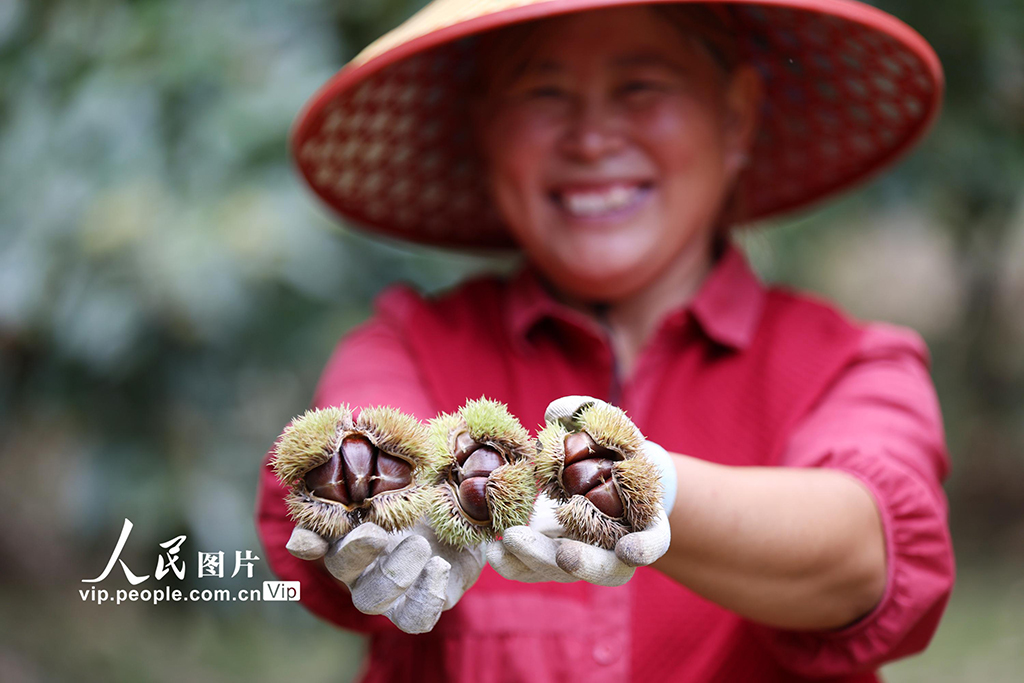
[{"x": 385, "y": 143}]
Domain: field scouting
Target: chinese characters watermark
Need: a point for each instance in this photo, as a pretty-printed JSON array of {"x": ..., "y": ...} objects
[{"x": 171, "y": 560}]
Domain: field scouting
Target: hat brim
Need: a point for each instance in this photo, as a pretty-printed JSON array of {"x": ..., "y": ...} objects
[{"x": 849, "y": 89}]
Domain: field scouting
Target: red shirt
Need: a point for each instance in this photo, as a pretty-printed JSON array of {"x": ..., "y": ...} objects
[{"x": 743, "y": 375}]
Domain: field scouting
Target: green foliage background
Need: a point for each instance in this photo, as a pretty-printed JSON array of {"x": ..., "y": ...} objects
[{"x": 169, "y": 294}]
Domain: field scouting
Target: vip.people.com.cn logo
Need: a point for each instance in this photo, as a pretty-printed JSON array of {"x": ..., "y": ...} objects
[{"x": 171, "y": 561}]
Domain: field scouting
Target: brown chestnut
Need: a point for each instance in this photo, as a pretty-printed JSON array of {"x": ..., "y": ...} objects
[
  {"x": 583, "y": 475},
  {"x": 359, "y": 456},
  {"x": 464, "y": 446},
  {"x": 605, "y": 498},
  {"x": 475, "y": 464},
  {"x": 578, "y": 446},
  {"x": 357, "y": 472},
  {"x": 482, "y": 462},
  {"x": 588, "y": 472},
  {"x": 392, "y": 473},
  {"x": 328, "y": 481},
  {"x": 473, "y": 498}
]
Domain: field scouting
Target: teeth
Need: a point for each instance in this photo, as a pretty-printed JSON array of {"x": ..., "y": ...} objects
[{"x": 595, "y": 203}]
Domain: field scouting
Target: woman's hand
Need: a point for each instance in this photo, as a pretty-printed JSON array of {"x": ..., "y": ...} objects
[
  {"x": 541, "y": 551},
  {"x": 407, "y": 576}
]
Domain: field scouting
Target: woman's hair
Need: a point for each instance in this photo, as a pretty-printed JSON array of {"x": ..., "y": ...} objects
[
  {"x": 502, "y": 52},
  {"x": 711, "y": 25}
]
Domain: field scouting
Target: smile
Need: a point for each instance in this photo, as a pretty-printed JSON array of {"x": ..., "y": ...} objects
[{"x": 601, "y": 202}]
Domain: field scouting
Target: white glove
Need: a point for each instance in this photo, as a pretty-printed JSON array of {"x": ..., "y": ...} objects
[
  {"x": 539, "y": 553},
  {"x": 409, "y": 576}
]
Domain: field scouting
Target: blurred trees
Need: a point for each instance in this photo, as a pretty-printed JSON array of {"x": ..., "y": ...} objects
[{"x": 168, "y": 291}]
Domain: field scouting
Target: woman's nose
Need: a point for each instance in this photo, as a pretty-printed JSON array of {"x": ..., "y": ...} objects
[{"x": 593, "y": 132}]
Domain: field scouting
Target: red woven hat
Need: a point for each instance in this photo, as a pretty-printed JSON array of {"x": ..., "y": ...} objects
[{"x": 848, "y": 90}]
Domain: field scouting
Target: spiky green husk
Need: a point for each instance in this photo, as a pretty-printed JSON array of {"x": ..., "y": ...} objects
[
  {"x": 309, "y": 442},
  {"x": 400, "y": 435},
  {"x": 330, "y": 520},
  {"x": 490, "y": 421},
  {"x": 635, "y": 476},
  {"x": 392, "y": 511},
  {"x": 448, "y": 522},
  {"x": 511, "y": 489},
  {"x": 584, "y": 522},
  {"x": 440, "y": 432},
  {"x": 610, "y": 427},
  {"x": 641, "y": 490},
  {"x": 511, "y": 492},
  {"x": 397, "y": 510},
  {"x": 549, "y": 460}
]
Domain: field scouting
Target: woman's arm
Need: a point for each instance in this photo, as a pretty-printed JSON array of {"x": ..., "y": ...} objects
[
  {"x": 816, "y": 544},
  {"x": 792, "y": 548}
]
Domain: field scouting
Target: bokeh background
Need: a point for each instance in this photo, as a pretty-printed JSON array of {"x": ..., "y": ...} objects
[{"x": 169, "y": 293}]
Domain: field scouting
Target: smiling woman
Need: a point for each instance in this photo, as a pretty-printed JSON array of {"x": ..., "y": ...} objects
[
  {"x": 612, "y": 140},
  {"x": 745, "y": 483}
]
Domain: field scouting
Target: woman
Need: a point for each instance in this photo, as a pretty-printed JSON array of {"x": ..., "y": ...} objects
[{"x": 616, "y": 143}]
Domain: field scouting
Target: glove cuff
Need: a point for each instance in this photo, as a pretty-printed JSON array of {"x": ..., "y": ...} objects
[{"x": 666, "y": 470}]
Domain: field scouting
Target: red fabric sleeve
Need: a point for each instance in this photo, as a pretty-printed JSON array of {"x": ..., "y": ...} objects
[
  {"x": 881, "y": 423},
  {"x": 370, "y": 366}
]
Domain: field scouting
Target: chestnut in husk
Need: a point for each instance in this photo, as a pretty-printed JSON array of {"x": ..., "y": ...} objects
[
  {"x": 484, "y": 475},
  {"x": 599, "y": 474},
  {"x": 343, "y": 471}
]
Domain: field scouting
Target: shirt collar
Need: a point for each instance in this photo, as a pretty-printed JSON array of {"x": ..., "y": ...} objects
[
  {"x": 727, "y": 306},
  {"x": 730, "y": 302}
]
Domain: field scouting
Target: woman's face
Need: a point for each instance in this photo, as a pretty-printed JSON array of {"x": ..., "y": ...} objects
[{"x": 611, "y": 144}]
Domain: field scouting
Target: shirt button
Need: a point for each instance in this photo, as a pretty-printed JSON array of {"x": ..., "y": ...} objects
[{"x": 605, "y": 653}]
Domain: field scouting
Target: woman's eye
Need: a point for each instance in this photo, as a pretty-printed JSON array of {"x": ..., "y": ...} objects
[
  {"x": 546, "y": 92},
  {"x": 640, "y": 86}
]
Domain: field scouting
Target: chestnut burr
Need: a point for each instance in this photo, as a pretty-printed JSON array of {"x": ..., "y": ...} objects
[
  {"x": 484, "y": 477},
  {"x": 599, "y": 474},
  {"x": 342, "y": 471}
]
